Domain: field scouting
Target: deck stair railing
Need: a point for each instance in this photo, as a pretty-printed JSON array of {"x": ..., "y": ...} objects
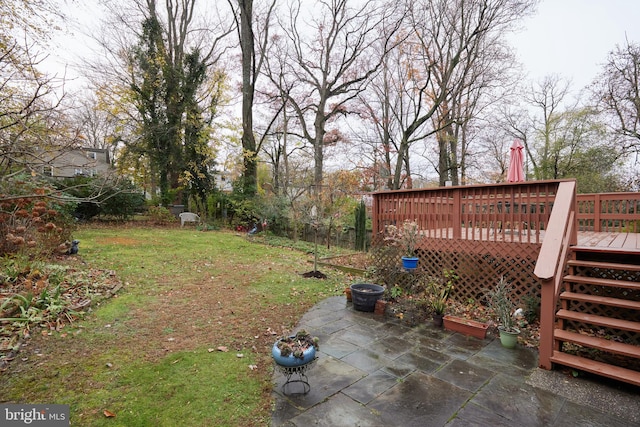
[{"x": 590, "y": 297}]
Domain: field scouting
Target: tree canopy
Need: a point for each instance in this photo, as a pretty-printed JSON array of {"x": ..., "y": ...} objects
[{"x": 281, "y": 96}]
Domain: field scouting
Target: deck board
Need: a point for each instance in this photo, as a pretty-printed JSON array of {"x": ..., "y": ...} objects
[
  {"x": 595, "y": 239},
  {"x": 632, "y": 241},
  {"x": 618, "y": 242},
  {"x": 592, "y": 239},
  {"x": 609, "y": 240}
]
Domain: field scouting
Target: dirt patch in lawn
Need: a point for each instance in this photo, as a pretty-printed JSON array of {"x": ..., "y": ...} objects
[
  {"x": 211, "y": 314},
  {"x": 221, "y": 313},
  {"x": 123, "y": 241},
  {"x": 359, "y": 261}
]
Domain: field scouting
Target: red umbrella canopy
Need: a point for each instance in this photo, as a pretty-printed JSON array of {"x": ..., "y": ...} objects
[{"x": 516, "y": 164}]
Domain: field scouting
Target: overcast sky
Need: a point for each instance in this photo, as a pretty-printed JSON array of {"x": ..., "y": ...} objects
[
  {"x": 567, "y": 37},
  {"x": 572, "y": 38}
]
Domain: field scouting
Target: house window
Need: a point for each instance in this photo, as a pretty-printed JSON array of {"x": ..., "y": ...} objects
[
  {"x": 47, "y": 170},
  {"x": 92, "y": 155},
  {"x": 78, "y": 171}
]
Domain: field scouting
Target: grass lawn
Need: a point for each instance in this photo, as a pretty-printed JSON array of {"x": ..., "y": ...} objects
[{"x": 153, "y": 355}]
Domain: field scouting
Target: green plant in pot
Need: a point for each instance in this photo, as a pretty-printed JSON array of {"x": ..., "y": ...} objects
[
  {"x": 439, "y": 289},
  {"x": 438, "y": 305},
  {"x": 500, "y": 302}
]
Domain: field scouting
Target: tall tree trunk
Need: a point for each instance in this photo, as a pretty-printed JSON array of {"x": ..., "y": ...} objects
[
  {"x": 443, "y": 159},
  {"x": 250, "y": 183},
  {"x": 318, "y": 146},
  {"x": 453, "y": 154}
]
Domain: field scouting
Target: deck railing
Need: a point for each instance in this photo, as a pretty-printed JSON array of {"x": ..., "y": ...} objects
[
  {"x": 514, "y": 212},
  {"x": 609, "y": 212}
]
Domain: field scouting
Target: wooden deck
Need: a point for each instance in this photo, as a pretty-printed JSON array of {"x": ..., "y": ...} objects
[
  {"x": 511, "y": 213},
  {"x": 526, "y": 233},
  {"x": 609, "y": 240}
]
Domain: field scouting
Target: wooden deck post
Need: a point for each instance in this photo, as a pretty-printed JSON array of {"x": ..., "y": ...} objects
[
  {"x": 547, "y": 316},
  {"x": 375, "y": 216},
  {"x": 457, "y": 215},
  {"x": 597, "y": 209}
]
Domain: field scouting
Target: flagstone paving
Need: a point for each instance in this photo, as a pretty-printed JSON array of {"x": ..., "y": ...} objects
[{"x": 375, "y": 371}]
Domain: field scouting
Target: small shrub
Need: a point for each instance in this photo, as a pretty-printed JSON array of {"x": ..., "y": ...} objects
[
  {"x": 34, "y": 217},
  {"x": 407, "y": 237},
  {"x": 531, "y": 306},
  {"x": 161, "y": 215},
  {"x": 395, "y": 292},
  {"x": 499, "y": 299}
]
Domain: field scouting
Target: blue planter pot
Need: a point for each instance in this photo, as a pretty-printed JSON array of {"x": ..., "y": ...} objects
[
  {"x": 291, "y": 361},
  {"x": 410, "y": 263}
]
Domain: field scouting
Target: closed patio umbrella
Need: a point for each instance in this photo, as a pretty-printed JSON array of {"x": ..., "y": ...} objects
[{"x": 516, "y": 164}]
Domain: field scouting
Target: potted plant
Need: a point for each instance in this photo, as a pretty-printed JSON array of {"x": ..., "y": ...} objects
[
  {"x": 295, "y": 350},
  {"x": 439, "y": 290},
  {"x": 499, "y": 301},
  {"x": 439, "y": 305},
  {"x": 408, "y": 238}
]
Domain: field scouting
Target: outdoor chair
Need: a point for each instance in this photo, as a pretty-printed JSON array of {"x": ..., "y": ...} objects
[{"x": 188, "y": 217}]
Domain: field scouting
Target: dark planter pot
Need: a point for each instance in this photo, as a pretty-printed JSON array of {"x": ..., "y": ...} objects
[
  {"x": 291, "y": 361},
  {"x": 438, "y": 319},
  {"x": 365, "y": 295},
  {"x": 410, "y": 263}
]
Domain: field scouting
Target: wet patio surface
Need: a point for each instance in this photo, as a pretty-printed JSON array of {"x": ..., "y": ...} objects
[{"x": 375, "y": 371}]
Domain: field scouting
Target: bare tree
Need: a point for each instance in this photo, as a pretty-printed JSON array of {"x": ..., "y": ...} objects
[
  {"x": 485, "y": 78},
  {"x": 281, "y": 154},
  {"x": 466, "y": 50},
  {"x": 564, "y": 139},
  {"x": 617, "y": 92},
  {"x": 98, "y": 127},
  {"x": 438, "y": 75},
  {"x": 33, "y": 125},
  {"x": 547, "y": 98},
  {"x": 325, "y": 60}
]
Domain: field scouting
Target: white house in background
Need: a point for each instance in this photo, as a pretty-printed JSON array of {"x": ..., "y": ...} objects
[
  {"x": 223, "y": 181},
  {"x": 78, "y": 162}
]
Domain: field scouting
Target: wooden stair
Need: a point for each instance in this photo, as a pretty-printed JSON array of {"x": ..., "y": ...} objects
[{"x": 614, "y": 309}]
